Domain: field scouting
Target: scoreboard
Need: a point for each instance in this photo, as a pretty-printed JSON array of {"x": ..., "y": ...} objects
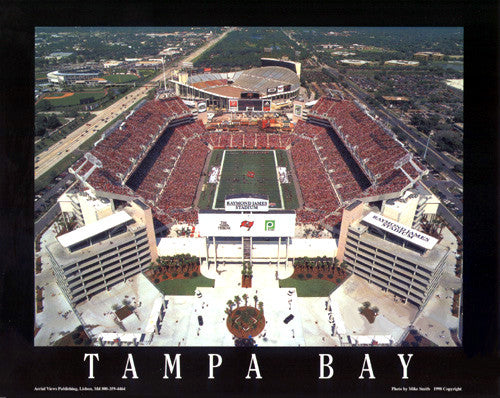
[{"x": 250, "y": 104}]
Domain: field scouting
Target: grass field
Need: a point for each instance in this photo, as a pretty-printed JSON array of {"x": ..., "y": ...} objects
[
  {"x": 75, "y": 98},
  {"x": 120, "y": 78},
  {"x": 310, "y": 287},
  {"x": 184, "y": 287},
  {"x": 234, "y": 179}
]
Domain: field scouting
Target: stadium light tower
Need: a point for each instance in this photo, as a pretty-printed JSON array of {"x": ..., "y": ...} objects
[
  {"x": 427, "y": 145},
  {"x": 164, "y": 78}
]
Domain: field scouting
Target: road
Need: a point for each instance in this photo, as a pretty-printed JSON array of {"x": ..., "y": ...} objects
[
  {"x": 434, "y": 157},
  {"x": 47, "y": 159}
]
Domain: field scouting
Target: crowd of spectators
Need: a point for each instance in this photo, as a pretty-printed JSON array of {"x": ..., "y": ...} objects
[
  {"x": 317, "y": 191},
  {"x": 167, "y": 163},
  {"x": 242, "y": 139}
]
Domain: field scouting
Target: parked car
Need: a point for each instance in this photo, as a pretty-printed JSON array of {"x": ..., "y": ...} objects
[
  {"x": 200, "y": 320},
  {"x": 288, "y": 318}
]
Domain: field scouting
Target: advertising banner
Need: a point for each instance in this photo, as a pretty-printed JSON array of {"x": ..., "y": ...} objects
[
  {"x": 297, "y": 110},
  {"x": 281, "y": 89},
  {"x": 267, "y": 105},
  {"x": 246, "y": 204},
  {"x": 233, "y": 105},
  {"x": 246, "y": 224},
  {"x": 411, "y": 235}
]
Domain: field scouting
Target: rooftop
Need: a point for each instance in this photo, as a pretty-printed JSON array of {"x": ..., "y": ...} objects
[{"x": 93, "y": 229}]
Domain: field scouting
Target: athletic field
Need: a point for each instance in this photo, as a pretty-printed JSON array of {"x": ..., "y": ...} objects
[{"x": 248, "y": 172}]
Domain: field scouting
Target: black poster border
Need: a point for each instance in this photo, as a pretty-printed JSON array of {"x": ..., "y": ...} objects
[{"x": 286, "y": 371}]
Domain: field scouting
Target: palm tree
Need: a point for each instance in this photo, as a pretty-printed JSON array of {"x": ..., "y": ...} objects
[
  {"x": 366, "y": 304},
  {"x": 261, "y": 307},
  {"x": 230, "y": 303},
  {"x": 335, "y": 263},
  {"x": 375, "y": 310},
  {"x": 237, "y": 300},
  {"x": 245, "y": 298},
  {"x": 344, "y": 266},
  {"x": 255, "y": 299},
  {"x": 227, "y": 311}
]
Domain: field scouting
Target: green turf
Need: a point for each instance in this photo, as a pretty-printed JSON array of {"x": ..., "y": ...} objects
[
  {"x": 75, "y": 98},
  {"x": 234, "y": 179},
  {"x": 309, "y": 287},
  {"x": 248, "y": 159},
  {"x": 289, "y": 193},
  {"x": 120, "y": 78},
  {"x": 184, "y": 287},
  {"x": 208, "y": 192}
]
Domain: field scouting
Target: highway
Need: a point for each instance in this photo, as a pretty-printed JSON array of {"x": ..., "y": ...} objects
[
  {"x": 434, "y": 157},
  {"x": 48, "y": 158}
]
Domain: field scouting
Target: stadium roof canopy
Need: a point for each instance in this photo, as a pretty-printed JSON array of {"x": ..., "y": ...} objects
[{"x": 94, "y": 229}]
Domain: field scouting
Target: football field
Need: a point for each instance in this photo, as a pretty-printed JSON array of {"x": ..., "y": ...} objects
[{"x": 248, "y": 172}]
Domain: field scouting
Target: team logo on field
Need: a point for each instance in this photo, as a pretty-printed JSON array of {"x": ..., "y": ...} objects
[
  {"x": 270, "y": 225},
  {"x": 246, "y": 224}
]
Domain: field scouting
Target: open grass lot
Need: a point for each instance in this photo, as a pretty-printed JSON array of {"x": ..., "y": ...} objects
[
  {"x": 184, "y": 287},
  {"x": 120, "y": 78},
  {"x": 75, "y": 98},
  {"x": 235, "y": 180},
  {"x": 310, "y": 287}
]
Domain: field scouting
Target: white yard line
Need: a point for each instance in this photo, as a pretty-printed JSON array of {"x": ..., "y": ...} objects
[
  {"x": 278, "y": 180},
  {"x": 218, "y": 183}
]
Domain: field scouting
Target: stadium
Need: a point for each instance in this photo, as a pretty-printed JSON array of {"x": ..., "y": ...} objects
[
  {"x": 248, "y": 205},
  {"x": 241, "y": 90},
  {"x": 162, "y": 155}
]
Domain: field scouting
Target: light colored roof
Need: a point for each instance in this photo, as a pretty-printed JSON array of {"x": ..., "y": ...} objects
[
  {"x": 93, "y": 229},
  {"x": 155, "y": 314},
  {"x": 411, "y": 235}
]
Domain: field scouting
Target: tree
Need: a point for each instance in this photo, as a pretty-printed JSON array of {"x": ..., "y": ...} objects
[
  {"x": 230, "y": 303},
  {"x": 245, "y": 298},
  {"x": 255, "y": 298},
  {"x": 53, "y": 122},
  {"x": 375, "y": 310},
  {"x": 43, "y": 105},
  {"x": 151, "y": 94},
  {"x": 237, "y": 300},
  {"x": 261, "y": 307},
  {"x": 366, "y": 304}
]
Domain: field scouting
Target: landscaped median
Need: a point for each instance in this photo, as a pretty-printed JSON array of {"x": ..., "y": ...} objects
[
  {"x": 184, "y": 287},
  {"x": 177, "y": 275},
  {"x": 315, "y": 276},
  {"x": 309, "y": 287}
]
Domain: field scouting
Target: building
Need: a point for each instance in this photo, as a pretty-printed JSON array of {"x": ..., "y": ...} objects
[
  {"x": 84, "y": 206},
  {"x": 391, "y": 255},
  {"x": 357, "y": 62},
  {"x": 112, "y": 64},
  {"x": 99, "y": 255},
  {"x": 401, "y": 62},
  {"x": 429, "y": 55},
  {"x": 58, "y": 55},
  {"x": 240, "y": 90},
  {"x": 73, "y": 76},
  {"x": 411, "y": 208}
]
